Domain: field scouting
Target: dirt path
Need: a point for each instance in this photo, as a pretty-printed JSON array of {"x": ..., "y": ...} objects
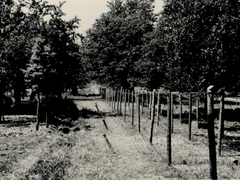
[{"x": 122, "y": 154}]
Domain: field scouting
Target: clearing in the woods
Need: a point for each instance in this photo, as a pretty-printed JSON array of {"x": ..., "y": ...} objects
[{"x": 90, "y": 151}]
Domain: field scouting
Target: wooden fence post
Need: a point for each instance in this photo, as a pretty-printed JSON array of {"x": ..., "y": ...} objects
[
  {"x": 197, "y": 110},
  {"x": 125, "y": 104},
  {"x": 169, "y": 132},
  {"x": 129, "y": 95},
  {"x": 38, "y": 107},
  {"x": 211, "y": 134},
  {"x": 132, "y": 108},
  {"x": 172, "y": 97},
  {"x": 47, "y": 112},
  {"x": 180, "y": 108},
  {"x": 190, "y": 118},
  {"x": 107, "y": 95},
  {"x": 147, "y": 99},
  {"x": 114, "y": 98},
  {"x": 158, "y": 108},
  {"x": 152, "y": 115},
  {"x": 150, "y": 104},
  {"x": 120, "y": 101},
  {"x": 221, "y": 124},
  {"x": 117, "y": 100},
  {"x": 142, "y": 102},
  {"x": 138, "y": 111}
]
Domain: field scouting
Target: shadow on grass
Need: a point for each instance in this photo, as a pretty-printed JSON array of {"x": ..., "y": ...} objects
[
  {"x": 88, "y": 113},
  {"x": 232, "y": 142},
  {"x": 18, "y": 122}
]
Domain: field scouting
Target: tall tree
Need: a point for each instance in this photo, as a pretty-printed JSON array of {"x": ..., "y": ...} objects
[
  {"x": 56, "y": 63},
  {"x": 115, "y": 42},
  {"x": 201, "y": 44},
  {"x": 15, "y": 47}
]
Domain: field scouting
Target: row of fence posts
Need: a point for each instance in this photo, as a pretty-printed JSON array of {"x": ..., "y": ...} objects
[{"x": 115, "y": 98}]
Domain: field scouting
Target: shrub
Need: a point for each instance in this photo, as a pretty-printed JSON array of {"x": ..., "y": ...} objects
[{"x": 58, "y": 108}]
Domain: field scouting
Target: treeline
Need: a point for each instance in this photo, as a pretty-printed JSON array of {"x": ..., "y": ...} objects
[
  {"x": 38, "y": 49},
  {"x": 190, "y": 45}
]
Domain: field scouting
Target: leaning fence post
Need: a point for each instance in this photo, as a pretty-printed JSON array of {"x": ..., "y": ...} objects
[
  {"x": 169, "y": 132},
  {"x": 190, "y": 118},
  {"x": 132, "y": 108},
  {"x": 152, "y": 115},
  {"x": 211, "y": 134},
  {"x": 221, "y": 124}
]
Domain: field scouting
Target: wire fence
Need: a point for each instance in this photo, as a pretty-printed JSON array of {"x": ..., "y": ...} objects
[{"x": 149, "y": 111}]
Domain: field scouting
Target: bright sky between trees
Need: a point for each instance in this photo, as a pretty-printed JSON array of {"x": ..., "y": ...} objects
[{"x": 89, "y": 10}]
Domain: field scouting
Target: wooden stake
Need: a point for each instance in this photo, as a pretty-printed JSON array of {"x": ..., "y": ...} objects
[
  {"x": 133, "y": 108},
  {"x": 172, "y": 112},
  {"x": 114, "y": 100},
  {"x": 197, "y": 110},
  {"x": 142, "y": 101},
  {"x": 129, "y": 94},
  {"x": 38, "y": 107},
  {"x": 120, "y": 101},
  {"x": 150, "y": 104},
  {"x": 118, "y": 92},
  {"x": 125, "y": 104},
  {"x": 221, "y": 124},
  {"x": 158, "y": 107},
  {"x": 180, "y": 108},
  {"x": 47, "y": 115},
  {"x": 211, "y": 134},
  {"x": 169, "y": 132},
  {"x": 190, "y": 118},
  {"x": 152, "y": 115},
  {"x": 138, "y": 111}
]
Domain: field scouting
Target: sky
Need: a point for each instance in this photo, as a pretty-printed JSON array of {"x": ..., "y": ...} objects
[{"x": 89, "y": 10}]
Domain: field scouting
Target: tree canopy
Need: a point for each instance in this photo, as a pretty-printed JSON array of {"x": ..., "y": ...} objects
[
  {"x": 115, "y": 43},
  {"x": 38, "y": 46},
  {"x": 191, "y": 45}
]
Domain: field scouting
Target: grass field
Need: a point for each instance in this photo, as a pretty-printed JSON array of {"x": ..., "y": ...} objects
[{"x": 90, "y": 151}]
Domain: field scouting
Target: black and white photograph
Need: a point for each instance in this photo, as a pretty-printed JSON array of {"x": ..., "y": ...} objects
[{"x": 119, "y": 89}]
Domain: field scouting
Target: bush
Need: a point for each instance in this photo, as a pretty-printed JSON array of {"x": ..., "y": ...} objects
[{"x": 60, "y": 108}]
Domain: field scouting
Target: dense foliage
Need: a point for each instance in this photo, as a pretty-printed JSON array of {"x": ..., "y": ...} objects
[
  {"x": 191, "y": 45},
  {"x": 38, "y": 48},
  {"x": 116, "y": 42}
]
